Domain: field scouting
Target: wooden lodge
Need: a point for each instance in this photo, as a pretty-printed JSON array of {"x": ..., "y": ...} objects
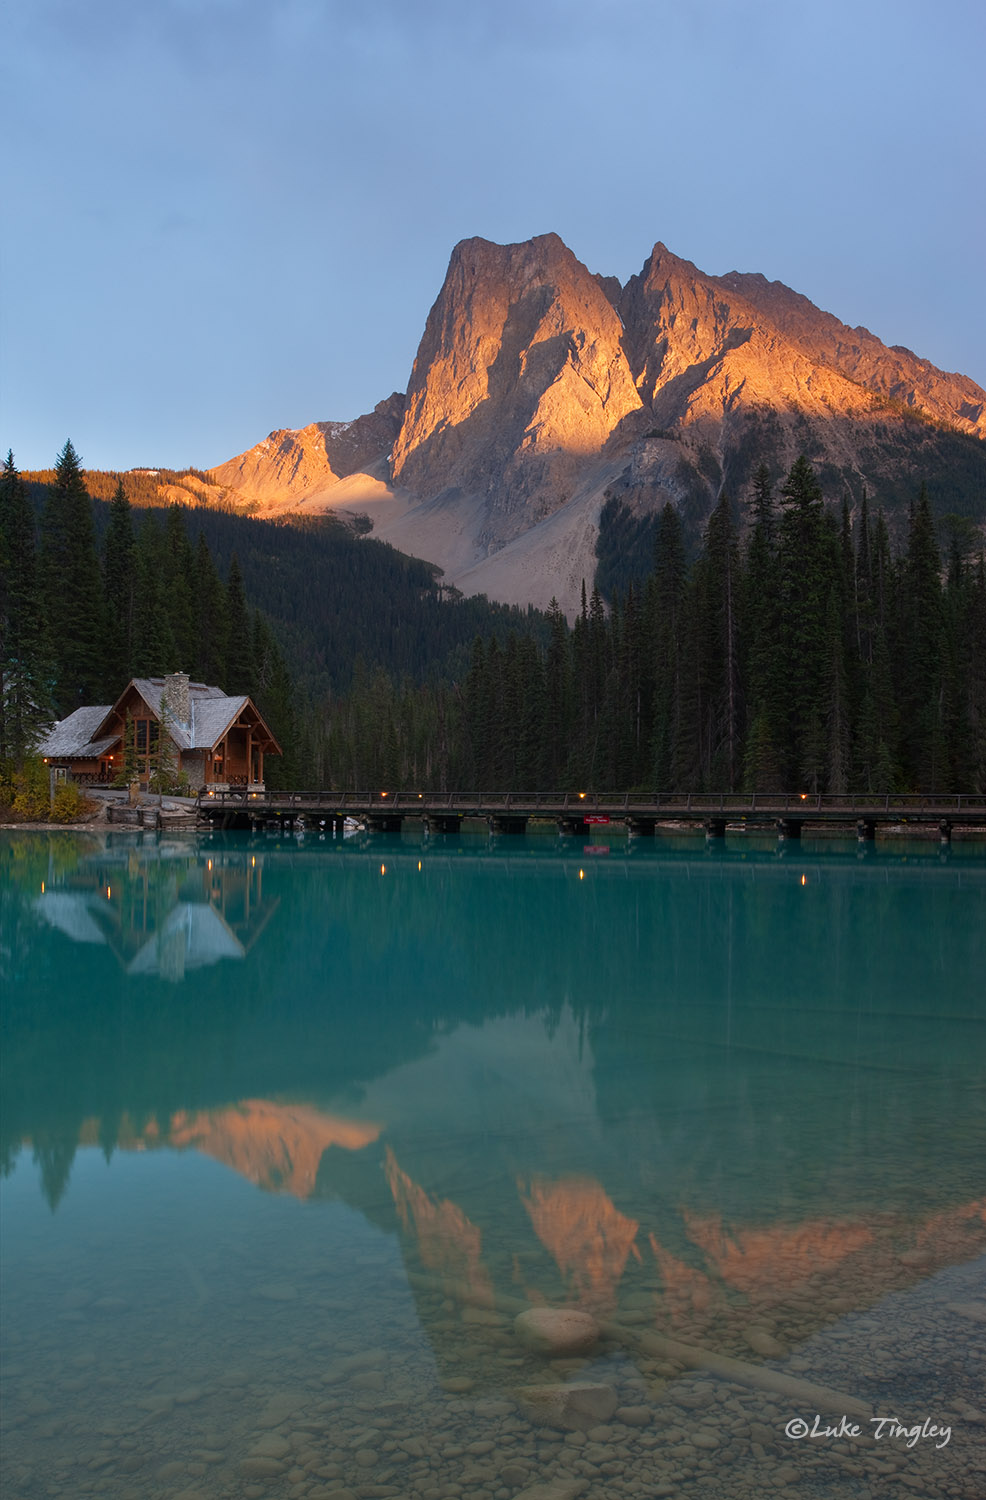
[{"x": 217, "y": 741}]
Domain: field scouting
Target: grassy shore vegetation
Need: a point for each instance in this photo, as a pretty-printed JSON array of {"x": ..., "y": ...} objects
[
  {"x": 26, "y": 795},
  {"x": 797, "y": 650}
]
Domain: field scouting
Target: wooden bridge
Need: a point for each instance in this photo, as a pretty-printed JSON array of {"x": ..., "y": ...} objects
[{"x": 581, "y": 812}]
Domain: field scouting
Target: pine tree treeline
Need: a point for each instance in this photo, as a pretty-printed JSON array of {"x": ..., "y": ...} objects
[
  {"x": 94, "y": 592},
  {"x": 805, "y": 655},
  {"x": 808, "y": 658},
  {"x": 79, "y": 620},
  {"x": 330, "y": 595}
]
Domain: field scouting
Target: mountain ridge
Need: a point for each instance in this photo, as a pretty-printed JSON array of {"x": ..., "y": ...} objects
[{"x": 540, "y": 390}]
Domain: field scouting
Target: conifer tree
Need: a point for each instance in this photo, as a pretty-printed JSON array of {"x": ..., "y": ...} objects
[
  {"x": 444, "y": 740},
  {"x": 670, "y": 580},
  {"x": 975, "y": 631},
  {"x": 530, "y": 728},
  {"x": 128, "y": 771},
  {"x": 581, "y": 712},
  {"x": 718, "y": 626},
  {"x": 179, "y": 584},
  {"x": 877, "y": 729},
  {"x": 838, "y": 768},
  {"x": 920, "y": 658},
  {"x": 477, "y": 757},
  {"x": 761, "y": 647},
  {"x": 154, "y": 651},
  {"x": 496, "y": 725},
  {"x": 557, "y": 699},
  {"x": 689, "y": 763},
  {"x": 25, "y": 669},
  {"x": 630, "y": 740},
  {"x": 511, "y": 710},
  {"x": 806, "y": 574},
  {"x": 165, "y": 773},
  {"x": 119, "y": 595},
  {"x": 209, "y": 616},
  {"x": 598, "y": 658},
  {"x": 883, "y": 574},
  {"x": 239, "y": 656},
  {"x": 865, "y": 613},
  {"x": 72, "y": 586},
  {"x": 763, "y": 504}
]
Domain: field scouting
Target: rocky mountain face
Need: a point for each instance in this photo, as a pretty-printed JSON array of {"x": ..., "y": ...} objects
[
  {"x": 541, "y": 390},
  {"x": 520, "y": 379},
  {"x": 299, "y": 464}
]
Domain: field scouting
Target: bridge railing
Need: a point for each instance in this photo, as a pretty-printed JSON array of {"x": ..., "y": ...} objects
[{"x": 686, "y": 805}]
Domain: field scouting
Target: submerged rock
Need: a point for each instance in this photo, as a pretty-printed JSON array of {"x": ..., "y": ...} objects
[
  {"x": 762, "y": 1342},
  {"x": 579, "y": 1405},
  {"x": 557, "y": 1330}
]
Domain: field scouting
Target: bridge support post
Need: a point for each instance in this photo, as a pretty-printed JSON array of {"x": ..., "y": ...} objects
[
  {"x": 788, "y": 828},
  {"x": 439, "y": 823},
  {"x": 507, "y": 823},
  {"x": 641, "y": 827},
  {"x": 945, "y": 831},
  {"x": 715, "y": 828},
  {"x": 577, "y": 827},
  {"x": 384, "y": 823},
  {"x": 865, "y": 830}
]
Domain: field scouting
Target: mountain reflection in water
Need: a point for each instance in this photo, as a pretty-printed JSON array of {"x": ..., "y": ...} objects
[{"x": 704, "y": 1086}]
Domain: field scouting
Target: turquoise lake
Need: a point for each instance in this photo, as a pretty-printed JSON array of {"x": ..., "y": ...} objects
[{"x": 294, "y": 1128}]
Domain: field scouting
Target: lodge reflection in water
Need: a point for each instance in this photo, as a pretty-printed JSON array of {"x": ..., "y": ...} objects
[{"x": 161, "y": 910}]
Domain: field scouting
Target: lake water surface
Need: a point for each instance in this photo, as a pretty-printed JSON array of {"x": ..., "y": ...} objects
[{"x": 292, "y": 1130}]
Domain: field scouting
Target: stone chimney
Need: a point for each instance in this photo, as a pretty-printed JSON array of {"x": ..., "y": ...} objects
[{"x": 176, "y": 692}]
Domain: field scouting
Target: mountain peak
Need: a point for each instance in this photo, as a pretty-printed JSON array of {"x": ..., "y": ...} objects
[
  {"x": 541, "y": 390},
  {"x": 538, "y": 244},
  {"x": 519, "y": 374}
]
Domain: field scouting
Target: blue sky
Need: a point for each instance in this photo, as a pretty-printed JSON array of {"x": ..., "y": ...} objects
[{"x": 226, "y": 216}]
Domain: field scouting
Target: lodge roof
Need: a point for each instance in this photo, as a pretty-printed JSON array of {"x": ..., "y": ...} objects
[
  {"x": 72, "y": 738},
  {"x": 210, "y": 710},
  {"x": 211, "y": 713}
]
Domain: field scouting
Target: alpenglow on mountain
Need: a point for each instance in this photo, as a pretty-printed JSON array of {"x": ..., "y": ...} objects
[{"x": 540, "y": 391}]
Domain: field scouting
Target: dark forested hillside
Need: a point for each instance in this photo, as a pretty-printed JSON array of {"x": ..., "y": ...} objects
[
  {"x": 336, "y": 597},
  {"x": 93, "y": 592},
  {"x": 797, "y": 648},
  {"x": 331, "y": 595},
  {"x": 811, "y": 655}
]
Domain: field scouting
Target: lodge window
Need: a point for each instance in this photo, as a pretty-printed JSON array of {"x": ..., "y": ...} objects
[{"x": 147, "y": 734}]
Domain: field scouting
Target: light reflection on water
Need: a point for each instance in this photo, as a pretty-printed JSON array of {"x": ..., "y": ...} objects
[{"x": 293, "y": 1131}]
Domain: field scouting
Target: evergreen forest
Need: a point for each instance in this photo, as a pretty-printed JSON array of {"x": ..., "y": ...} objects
[{"x": 797, "y": 649}]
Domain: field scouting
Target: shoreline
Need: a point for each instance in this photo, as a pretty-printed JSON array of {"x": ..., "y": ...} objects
[{"x": 835, "y": 833}]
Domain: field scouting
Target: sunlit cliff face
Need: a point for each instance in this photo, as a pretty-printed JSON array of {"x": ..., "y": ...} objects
[
  {"x": 764, "y": 1263},
  {"x": 447, "y": 1241},
  {"x": 585, "y": 1232},
  {"x": 540, "y": 390},
  {"x": 277, "y": 1146},
  {"x": 955, "y": 1234},
  {"x": 717, "y": 1269},
  {"x": 782, "y": 1257},
  {"x": 689, "y": 1296}
]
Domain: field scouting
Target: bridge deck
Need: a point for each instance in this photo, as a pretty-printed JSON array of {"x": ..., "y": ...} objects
[{"x": 701, "y": 808}]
